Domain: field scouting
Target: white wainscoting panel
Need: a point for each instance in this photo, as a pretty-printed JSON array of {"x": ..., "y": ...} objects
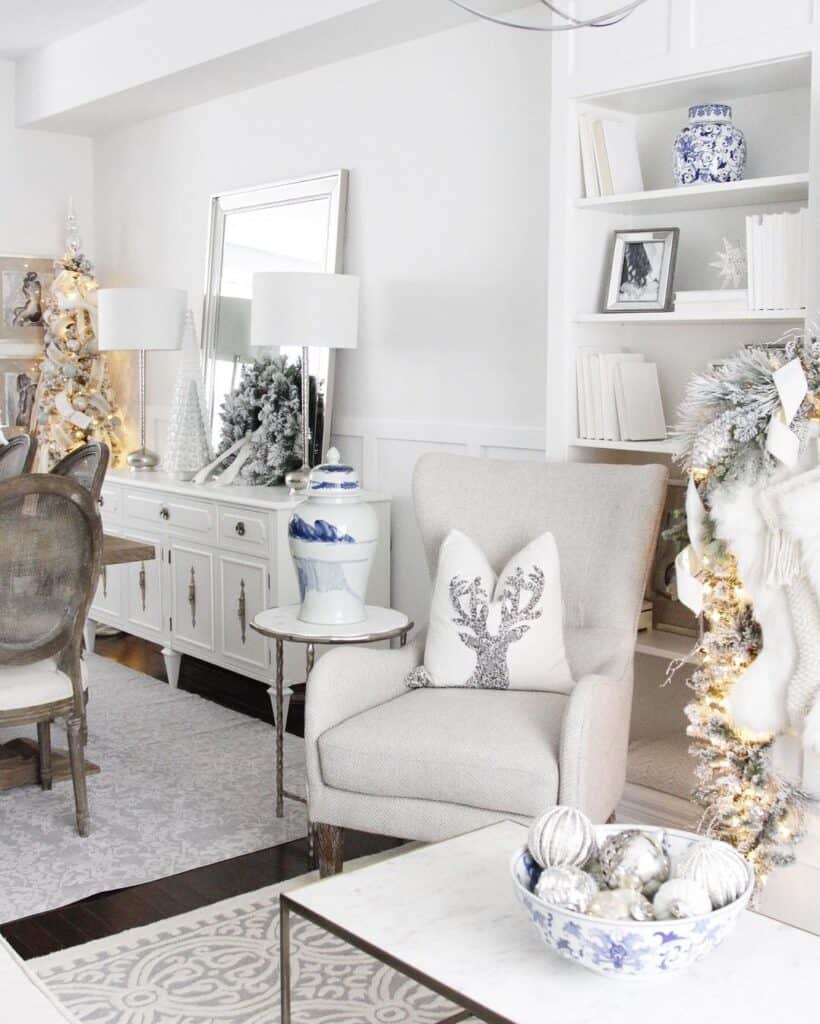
[{"x": 729, "y": 20}]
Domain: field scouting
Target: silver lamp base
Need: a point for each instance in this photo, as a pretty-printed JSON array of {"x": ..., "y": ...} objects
[
  {"x": 141, "y": 459},
  {"x": 297, "y": 479}
]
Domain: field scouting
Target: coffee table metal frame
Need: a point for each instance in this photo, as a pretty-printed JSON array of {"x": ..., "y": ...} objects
[{"x": 468, "y": 1011}]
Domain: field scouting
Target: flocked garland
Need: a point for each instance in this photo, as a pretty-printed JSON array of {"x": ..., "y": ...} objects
[{"x": 725, "y": 417}]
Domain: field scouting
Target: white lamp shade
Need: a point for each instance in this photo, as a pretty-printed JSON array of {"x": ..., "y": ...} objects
[
  {"x": 135, "y": 318},
  {"x": 305, "y": 310},
  {"x": 233, "y": 336}
]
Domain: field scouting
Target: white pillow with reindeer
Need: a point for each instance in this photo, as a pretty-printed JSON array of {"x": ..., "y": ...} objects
[{"x": 496, "y": 632}]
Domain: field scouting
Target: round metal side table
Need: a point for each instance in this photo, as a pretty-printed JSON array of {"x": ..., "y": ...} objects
[{"x": 281, "y": 624}]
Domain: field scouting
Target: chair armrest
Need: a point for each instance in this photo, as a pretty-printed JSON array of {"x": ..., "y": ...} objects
[
  {"x": 594, "y": 742},
  {"x": 349, "y": 680}
]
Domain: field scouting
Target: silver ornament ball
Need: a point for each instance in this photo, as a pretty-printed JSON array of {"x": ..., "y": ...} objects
[
  {"x": 620, "y": 905},
  {"x": 562, "y": 836},
  {"x": 718, "y": 868},
  {"x": 634, "y": 860},
  {"x": 566, "y": 887}
]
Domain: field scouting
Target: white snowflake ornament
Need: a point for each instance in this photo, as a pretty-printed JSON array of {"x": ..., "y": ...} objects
[{"x": 730, "y": 264}]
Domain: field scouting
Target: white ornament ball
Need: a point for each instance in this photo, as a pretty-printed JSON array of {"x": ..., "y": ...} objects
[
  {"x": 561, "y": 837},
  {"x": 716, "y": 867},
  {"x": 680, "y": 897},
  {"x": 566, "y": 887}
]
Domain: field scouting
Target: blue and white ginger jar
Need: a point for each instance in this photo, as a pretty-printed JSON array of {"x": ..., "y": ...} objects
[
  {"x": 709, "y": 148},
  {"x": 332, "y": 537}
]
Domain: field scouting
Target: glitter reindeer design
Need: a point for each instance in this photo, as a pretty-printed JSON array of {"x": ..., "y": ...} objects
[{"x": 519, "y": 607}]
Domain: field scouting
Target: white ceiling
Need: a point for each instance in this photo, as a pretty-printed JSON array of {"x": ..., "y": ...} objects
[{"x": 28, "y": 25}]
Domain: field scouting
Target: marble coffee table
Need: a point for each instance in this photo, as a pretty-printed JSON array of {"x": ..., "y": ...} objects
[{"x": 445, "y": 915}]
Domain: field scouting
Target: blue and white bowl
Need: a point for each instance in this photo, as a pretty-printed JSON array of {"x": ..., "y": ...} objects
[{"x": 627, "y": 949}]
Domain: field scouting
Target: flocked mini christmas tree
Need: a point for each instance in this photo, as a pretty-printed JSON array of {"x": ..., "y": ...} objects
[
  {"x": 75, "y": 401},
  {"x": 188, "y": 449}
]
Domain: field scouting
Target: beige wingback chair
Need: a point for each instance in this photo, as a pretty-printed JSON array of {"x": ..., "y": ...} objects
[{"x": 431, "y": 763}]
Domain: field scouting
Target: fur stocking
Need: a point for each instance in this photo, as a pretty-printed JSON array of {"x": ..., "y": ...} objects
[
  {"x": 792, "y": 510},
  {"x": 758, "y": 700}
]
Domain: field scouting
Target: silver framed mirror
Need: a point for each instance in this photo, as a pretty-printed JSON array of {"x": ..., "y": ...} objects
[{"x": 293, "y": 225}]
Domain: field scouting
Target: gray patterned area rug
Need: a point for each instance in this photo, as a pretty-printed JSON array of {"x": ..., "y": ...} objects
[
  {"x": 220, "y": 965},
  {"x": 183, "y": 783}
]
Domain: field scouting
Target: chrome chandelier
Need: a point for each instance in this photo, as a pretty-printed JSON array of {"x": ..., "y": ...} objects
[{"x": 570, "y": 23}]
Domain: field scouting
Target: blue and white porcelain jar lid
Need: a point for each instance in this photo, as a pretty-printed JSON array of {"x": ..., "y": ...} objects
[{"x": 333, "y": 479}]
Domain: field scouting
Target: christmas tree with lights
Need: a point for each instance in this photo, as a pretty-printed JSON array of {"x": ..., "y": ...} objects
[{"x": 75, "y": 403}]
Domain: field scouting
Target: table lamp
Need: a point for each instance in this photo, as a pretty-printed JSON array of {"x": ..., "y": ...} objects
[
  {"x": 140, "y": 319},
  {"x": 310, "y": 311}
]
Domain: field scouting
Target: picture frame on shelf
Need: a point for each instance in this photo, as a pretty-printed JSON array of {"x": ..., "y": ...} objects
[
  {"x": 24, "y": 284},
  {"x": 642, "y": 269}
]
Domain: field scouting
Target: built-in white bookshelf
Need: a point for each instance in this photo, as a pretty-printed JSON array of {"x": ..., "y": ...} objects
[{"x": 647, "y": 72}]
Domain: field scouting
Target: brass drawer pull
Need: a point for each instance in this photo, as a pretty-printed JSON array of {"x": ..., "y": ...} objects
[
  {"x": 142, "y": 585},
  {"x": 192, "y": 597},
  {"x": 240, "y": 611},
  {"x": 164, "y": 513},
  {"x": 240, "y": 528}
]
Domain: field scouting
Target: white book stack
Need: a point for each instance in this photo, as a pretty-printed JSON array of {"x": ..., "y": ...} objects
[
  {"x": 609, "y": 157},
  {"x": 776, "y": 248},
  {"x": 726, "y": 300},
  {"x": 619, "y": 397}
]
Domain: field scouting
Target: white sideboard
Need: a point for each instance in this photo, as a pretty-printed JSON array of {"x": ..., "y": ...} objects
[{"x": 222, "y": 557}]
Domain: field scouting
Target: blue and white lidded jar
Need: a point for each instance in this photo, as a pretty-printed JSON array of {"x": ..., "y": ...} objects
[
  {"x": 332, "y": 537},
  {"x": 710, "y": 148}
]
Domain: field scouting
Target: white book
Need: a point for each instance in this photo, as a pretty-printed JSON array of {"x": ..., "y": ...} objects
[
  {"x": 751, "y": 293},
  {"x": 622, "y": 156},
  {"x": 595, "y": 410},
  {"x": 640, "y": 409},
  {"x": 766, "y": 247},
  {"x": 609, "y": 367},
  {"x": 781, "y": 253},
  {"x": 579, "y": 390},
  {"x": 588, "y": 404},
  {"x": 726, "y": 300},
  {"x": 758, "y": 243},
  {"x": 791, "y": 234},
  {"x": 601, "y": 158},
  {"x": 590, "y": 172}
]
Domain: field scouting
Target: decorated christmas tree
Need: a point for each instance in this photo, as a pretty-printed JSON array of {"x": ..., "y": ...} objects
[
  {"x": 188, "y": 449},
  {"x": 75, "y": 403}
]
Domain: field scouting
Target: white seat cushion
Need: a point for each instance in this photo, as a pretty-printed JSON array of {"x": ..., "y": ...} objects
[
  {"x": 494, "y": 749},
  {"x": 41, "y": 682}
]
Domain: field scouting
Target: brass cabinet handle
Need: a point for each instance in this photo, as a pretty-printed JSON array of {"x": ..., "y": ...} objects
[
  {"x": 142, "y": 585},
  {"x": 240, "y": 610},
  {"x": 164, "y": 513},
  {"x": 240, "y": 528},
  {"x": 192, "y": 597}
]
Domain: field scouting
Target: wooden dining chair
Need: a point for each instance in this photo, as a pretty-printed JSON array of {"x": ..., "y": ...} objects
[
  {"x": 86, "y": 465},
  {"x": 50, "y": 556},
  {"x": 17, "y": 456}
]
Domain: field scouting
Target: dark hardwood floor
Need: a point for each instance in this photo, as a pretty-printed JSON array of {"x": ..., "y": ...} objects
[{"x": 112, "y": 912}]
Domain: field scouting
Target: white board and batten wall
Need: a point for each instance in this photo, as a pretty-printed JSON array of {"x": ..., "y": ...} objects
[{"x": 762, "y": 58}]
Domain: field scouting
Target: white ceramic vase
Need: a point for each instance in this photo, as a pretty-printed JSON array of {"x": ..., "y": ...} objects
[{"x": 332, "y": 536}]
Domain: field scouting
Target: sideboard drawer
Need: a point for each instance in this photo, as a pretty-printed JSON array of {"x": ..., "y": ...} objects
[
  {"x": 195, "y": 518},
  {"x": 243, "y": 529},
  {"x": 110, "y": 501}
]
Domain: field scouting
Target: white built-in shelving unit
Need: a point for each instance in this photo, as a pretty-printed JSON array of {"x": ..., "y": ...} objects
[{"x": 649, "y": 69}]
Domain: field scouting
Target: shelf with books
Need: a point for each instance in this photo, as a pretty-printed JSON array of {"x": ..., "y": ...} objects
[
  {"x": 657, "y": 643},
  {"x": 781, "y": 188},
  {"x": 735, "y": 317},
  {"x": 665, "y": 446}
]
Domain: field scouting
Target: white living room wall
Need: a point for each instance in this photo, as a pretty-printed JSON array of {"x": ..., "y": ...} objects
[
  {"x": 40, "y": 170},
  {"x": 445, "y": 138}
]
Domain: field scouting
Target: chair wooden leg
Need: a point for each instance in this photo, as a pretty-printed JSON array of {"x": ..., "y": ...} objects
[
  {"x": 85, "y": 721},
  {"x": 330, "y": 842},
  {"x": 44, "y": 742},
  {"x": 76, "y": 757}
]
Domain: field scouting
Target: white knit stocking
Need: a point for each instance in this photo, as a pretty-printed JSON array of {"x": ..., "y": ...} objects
[{"x": 792, "y": 510}]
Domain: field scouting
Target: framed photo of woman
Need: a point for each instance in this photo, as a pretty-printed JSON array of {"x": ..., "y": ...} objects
[
  {"x": 641, "y": 273},
  {"x": 24, "y": 285}
]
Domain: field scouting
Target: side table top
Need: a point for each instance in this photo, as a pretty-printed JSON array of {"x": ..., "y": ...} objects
[{"x": 284, "y": 624}]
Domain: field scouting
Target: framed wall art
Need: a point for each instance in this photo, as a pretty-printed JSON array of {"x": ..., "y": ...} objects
[
  {"x": 24, "y": 285},
  {"x": 641, "y": 272}
]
